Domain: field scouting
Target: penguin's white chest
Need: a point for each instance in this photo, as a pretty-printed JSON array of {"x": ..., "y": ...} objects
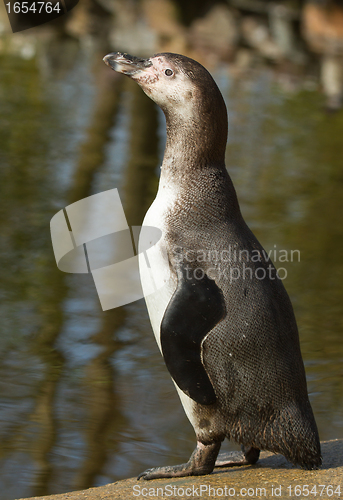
[
  {"x": 160, "y": 272},
  {"x": 158, "y": 282}
]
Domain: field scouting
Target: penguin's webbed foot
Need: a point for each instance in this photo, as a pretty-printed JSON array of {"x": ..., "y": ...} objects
[
  {"x": 201, "y": 462},
  {"x": 248, "y": 456},
  {"x": 168, "y": 471}
]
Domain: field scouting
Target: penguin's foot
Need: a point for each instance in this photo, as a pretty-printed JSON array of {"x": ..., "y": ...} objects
[
  {"x": 201, "y": 462},
  {"x": 247, "y": 456}
]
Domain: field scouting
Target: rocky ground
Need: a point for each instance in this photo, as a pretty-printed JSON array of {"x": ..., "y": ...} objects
[{"x": 271, "y": 477}]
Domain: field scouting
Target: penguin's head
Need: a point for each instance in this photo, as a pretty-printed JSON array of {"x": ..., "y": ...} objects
[
  {"x": 182, "y": 87},
  {"x": 168, "y": 79}
]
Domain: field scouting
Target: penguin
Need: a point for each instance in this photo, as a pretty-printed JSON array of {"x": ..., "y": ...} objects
[{"x": 223, "y": 320}]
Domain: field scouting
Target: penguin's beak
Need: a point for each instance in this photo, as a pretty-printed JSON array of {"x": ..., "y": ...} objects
[{"x": 126, "y": 64}]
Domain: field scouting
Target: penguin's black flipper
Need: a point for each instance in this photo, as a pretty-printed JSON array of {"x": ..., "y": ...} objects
[{"x": 196, "y": 307}]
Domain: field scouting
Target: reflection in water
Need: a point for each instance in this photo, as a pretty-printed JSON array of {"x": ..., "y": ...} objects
[{"x": 85, "y": 397}]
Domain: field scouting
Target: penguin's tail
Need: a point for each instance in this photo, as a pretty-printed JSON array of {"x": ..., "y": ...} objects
[{"x": 298, "y": 436}]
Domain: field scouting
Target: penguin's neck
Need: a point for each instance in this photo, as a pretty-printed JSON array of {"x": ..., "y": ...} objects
[{"x": 193, "y": 145}]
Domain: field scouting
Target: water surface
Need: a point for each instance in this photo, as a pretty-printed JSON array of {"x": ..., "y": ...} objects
[{"x": 85, "y": 397}]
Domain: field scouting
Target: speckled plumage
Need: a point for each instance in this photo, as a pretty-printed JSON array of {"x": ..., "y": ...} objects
[{"x": 236, "y": 363}]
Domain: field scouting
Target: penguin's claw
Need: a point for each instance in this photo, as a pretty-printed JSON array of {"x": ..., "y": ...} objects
[
  {"x": 169, "y": 471},
  {"x": 146, "y": 474},
  {"x": 200, "y": 463}
]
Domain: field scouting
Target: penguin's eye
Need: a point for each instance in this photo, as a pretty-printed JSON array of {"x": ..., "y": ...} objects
[{"x": 169, "y": 72}]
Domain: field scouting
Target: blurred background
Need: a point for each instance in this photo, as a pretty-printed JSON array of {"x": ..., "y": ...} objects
[{"x": 85, "y": 398}]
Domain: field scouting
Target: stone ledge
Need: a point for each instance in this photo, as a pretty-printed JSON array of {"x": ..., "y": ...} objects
[{"x": 270, "y": 478}]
